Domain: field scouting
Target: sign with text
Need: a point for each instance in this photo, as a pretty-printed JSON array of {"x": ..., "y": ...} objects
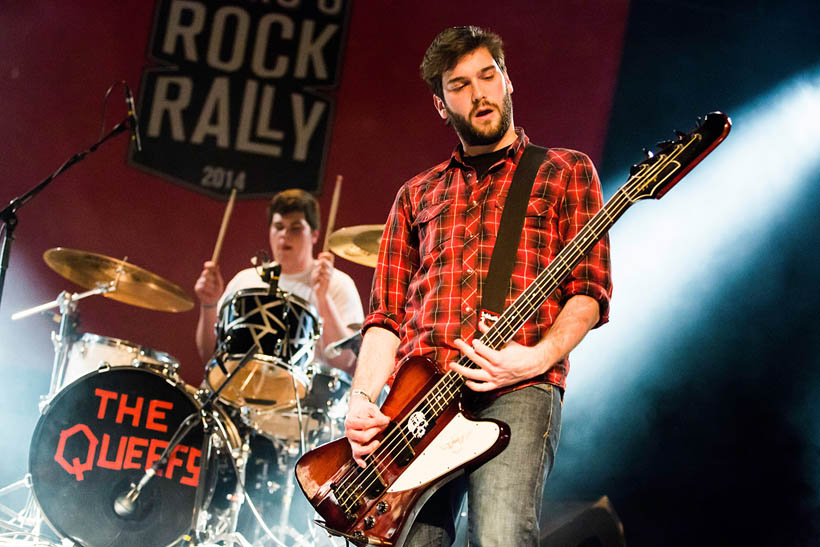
[{"x": 237, "y": 97}]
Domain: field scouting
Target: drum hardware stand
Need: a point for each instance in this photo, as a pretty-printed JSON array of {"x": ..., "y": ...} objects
[
  {"x": 27, "y": 522},
  {"x": 125, "y": 504},
  {"x": 252, "y": 506},
  {"x": 66, "y": 335}
]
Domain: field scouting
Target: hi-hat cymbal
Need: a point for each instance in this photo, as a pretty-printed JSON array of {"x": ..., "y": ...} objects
[
  {"x": 359, "y": 244},
  {"x": 134, "y": 285}
]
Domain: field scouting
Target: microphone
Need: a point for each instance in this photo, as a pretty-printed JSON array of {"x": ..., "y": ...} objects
[
  {"x": 133, "y": 121},
  {"x": 270, "y": 275},
  {"x": 126, "y": 504},
  {"x": 352, "y": 342}
]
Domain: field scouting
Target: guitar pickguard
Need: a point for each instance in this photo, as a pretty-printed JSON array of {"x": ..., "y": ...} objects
[{"x": 460, "y": 441}]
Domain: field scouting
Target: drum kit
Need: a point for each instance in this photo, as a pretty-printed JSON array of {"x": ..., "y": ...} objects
[{"x": 126, "y": 453}]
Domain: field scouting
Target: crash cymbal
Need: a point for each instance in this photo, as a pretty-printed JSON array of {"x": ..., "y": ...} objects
[
  {"x": 135, "y": 285},
  {"x": 359, "y": 244}
]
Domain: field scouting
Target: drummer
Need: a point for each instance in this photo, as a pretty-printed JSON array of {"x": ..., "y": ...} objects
[{"x": 293, "y": 229}]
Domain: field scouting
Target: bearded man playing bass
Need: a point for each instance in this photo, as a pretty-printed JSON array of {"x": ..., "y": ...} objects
[{"x": 427, "y": 293}]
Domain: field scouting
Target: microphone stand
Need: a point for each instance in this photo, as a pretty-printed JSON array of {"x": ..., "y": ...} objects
[
  {"x": 125, "y": 505},
  {"x": 8, "y": 216}
]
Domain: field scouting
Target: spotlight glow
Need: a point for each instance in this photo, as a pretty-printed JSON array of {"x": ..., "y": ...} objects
[{"x": 666, "y": 254}]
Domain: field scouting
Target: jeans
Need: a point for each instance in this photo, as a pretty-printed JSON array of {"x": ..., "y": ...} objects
[{"x": 504, "y": 494}]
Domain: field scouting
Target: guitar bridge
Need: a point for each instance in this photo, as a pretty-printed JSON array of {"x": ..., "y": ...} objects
[{"x": 365, "y": 482}]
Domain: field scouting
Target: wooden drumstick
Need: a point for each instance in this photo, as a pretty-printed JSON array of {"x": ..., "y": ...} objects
[
  {"x": 331, "y": 217},
  {"x": 225, "y": 218}
]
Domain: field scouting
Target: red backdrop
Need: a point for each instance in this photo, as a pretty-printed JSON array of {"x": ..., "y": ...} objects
[{"x": 59, "y": 58}]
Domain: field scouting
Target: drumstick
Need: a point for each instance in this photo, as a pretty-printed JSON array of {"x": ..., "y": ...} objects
[
  {"x": 334, "y": 205},
  {"x": 225, "y": 218}
]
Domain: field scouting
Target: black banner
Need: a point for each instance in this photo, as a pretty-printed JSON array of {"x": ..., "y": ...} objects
[{"x": 237, "y": 101}]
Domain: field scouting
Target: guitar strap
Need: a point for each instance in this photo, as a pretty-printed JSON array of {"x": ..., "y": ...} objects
[{"x": 497, "y": 283}]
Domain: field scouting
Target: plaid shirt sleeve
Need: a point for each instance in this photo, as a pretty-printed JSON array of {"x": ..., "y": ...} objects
[
  {"x": 398, "y": 259},
  {"x": 582, "y": 199}
]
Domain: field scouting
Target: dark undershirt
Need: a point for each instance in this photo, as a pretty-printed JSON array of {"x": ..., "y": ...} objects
[{"x": 482, "y": 162}]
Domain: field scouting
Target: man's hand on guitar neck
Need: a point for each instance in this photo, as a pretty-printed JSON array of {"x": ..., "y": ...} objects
[
  {"x": 499, "y": 368},
  {"x": 515, "y": 363}
]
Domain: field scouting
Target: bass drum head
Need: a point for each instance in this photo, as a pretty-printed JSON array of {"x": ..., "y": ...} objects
[{"x": 96, "y": 437}]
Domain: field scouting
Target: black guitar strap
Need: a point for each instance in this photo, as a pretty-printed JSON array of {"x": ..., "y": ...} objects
[{"x": 497, "y": 283}]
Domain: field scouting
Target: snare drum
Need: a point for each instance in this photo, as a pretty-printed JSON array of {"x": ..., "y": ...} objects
[
  {"x": 98, "y": 436},
  {"x": 93, "y": 351},
  {"x": 286, "y": 328}
]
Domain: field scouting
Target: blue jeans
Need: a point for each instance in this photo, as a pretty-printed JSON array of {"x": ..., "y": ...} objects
[{"x": 504, "y": 494}]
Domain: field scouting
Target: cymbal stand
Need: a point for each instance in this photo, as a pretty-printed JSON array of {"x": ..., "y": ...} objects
[
  {"x": 128, "y": 501},
  {"x": 62, "y": 340},
  {"x": 66, "y": 334}
]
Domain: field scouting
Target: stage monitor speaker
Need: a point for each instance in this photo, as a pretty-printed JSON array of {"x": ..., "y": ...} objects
[{"x": 581, "y": 524}]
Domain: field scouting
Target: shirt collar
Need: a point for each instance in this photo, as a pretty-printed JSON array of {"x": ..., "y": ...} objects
[{"x": 514, "y": 151}]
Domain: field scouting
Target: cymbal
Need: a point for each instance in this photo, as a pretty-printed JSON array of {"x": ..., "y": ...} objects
[
  {"x": 135, "y": 285},
  {"x": 359, "y": 244}
]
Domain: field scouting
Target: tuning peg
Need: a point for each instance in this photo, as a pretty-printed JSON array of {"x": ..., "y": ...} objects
[{"x": 649, "y": 153}]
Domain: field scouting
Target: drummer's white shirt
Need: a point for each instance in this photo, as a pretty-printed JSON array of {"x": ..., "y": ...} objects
[{"x": 342, "y": 291}]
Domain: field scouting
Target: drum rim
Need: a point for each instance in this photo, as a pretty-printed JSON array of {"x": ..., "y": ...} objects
[
  {"x": 191, "y": 396},
  {"x": 256, "y": 291},
  {"x": 301, "y": 376},
  {"x": 272, "y": 360},
  {"x": 161, "y": 357}
]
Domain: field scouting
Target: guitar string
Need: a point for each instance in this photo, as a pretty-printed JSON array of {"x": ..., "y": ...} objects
[{"x": 453, "y": 382}]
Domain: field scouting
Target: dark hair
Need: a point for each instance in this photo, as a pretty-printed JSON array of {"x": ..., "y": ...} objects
[
  {"x": 295, "y": 200},
  {"x": 451, "y": 45}
]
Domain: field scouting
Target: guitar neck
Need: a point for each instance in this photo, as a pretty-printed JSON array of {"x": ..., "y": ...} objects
[
  {"x": 651, "y": 178},
  {"x": 657, "y": 176}
]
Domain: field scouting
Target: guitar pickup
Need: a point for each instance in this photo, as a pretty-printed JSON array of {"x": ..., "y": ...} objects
[{"x": 372, "y": 481}]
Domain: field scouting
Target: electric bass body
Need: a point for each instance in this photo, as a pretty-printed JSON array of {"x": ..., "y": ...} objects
[{"x": 376, "y": 505}]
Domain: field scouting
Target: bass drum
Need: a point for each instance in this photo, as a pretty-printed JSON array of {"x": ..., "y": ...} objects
[{"x": 100, "y": 433}]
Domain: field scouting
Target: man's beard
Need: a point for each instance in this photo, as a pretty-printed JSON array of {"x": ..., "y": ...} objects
[{"x": 471, "y": 136}]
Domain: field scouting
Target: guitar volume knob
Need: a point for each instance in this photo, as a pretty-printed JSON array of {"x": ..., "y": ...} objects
[
  {"x": 382, "y": 507},
  {"x": 369, "y": 522}
]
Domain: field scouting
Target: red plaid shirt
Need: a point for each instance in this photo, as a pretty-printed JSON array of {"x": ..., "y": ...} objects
[{"x": 439, "y": 238}]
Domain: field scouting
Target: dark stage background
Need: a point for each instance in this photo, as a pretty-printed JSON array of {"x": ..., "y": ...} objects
[{"x": 695, "y": 410}]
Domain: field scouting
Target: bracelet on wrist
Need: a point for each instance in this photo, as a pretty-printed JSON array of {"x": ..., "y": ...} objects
[
  {"x": 207, "y": 306},
  {"x": 362, "y": 394}
]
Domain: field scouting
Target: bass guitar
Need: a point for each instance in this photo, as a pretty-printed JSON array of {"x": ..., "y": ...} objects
[{"x": 431, "y": 437}]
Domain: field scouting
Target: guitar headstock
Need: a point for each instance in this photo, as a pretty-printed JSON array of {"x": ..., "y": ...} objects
[{"x": 657, "y": 174}]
